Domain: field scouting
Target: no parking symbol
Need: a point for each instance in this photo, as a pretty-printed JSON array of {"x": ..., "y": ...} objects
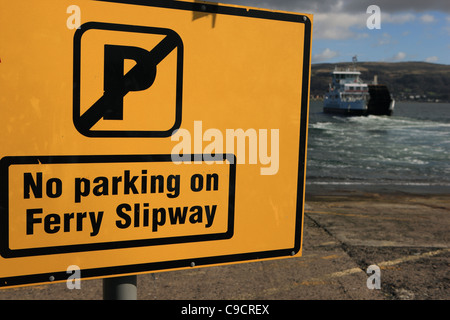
[{"x": 106, "y": 112}]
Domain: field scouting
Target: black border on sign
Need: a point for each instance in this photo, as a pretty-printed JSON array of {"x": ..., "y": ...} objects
[
  {"x": 6, "y": 162},
  {"x": 303, "y": 105},
  {"x": 77, "y": 117}
]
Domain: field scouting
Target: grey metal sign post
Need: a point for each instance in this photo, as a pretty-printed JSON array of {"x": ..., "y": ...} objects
[{"x": 120, "y": 288}]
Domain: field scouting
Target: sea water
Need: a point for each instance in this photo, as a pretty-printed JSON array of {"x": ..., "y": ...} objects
[{"x": 408, "y": 150}]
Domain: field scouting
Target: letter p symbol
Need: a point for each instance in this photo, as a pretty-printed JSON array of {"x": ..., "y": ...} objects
[{"x": 117, "y": 84}]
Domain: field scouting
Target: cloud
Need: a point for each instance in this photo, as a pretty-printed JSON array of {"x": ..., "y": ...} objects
[
  {"x": 338, "y": 26},
  {"x": 346, "y": 19},
  {"x": 385, "y": 39},
  {"x": 341, "y": 26},
  {"x": 397, "y": 18},
  {"x": 347, "y": 6},
  {"x": 391, "y": 6},
  {"x": 397, "y": 57},
  {"x": 326, "y": 54},
  {"x": 432, "y": 59},
  {"x": 427, "y": 18}
]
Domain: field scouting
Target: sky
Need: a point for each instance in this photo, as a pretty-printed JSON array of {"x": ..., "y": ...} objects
[{"x": 410, "y": 30}]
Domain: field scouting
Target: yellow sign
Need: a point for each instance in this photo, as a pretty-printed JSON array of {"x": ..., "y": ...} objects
[{"x": 139, "y": 137}]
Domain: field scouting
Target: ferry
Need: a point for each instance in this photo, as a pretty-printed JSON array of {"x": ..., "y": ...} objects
[{"x": 349, "y": 95}]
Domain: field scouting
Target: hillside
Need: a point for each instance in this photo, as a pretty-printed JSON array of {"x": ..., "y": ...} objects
[{"x": 406, "y": 80}]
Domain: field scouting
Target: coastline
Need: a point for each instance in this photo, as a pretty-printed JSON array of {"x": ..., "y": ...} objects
[{"x": 370, "y": 191}]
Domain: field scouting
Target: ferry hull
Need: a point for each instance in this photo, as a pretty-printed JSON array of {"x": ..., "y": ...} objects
[
  {"x": 349, "y": 112},
  {"x": 380, "y": 103}
]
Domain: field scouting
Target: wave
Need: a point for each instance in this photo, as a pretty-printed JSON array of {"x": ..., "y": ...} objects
[
  {"x": 378, "y": 183},
  {"x": 379, "y": 123},
  {"x": 411, "y": 148}
]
